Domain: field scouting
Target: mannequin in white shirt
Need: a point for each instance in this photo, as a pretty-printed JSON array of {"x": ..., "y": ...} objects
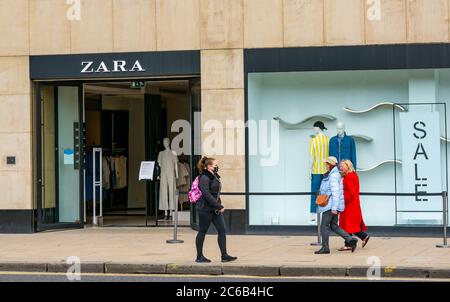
[{"x": 168, "y": 161}]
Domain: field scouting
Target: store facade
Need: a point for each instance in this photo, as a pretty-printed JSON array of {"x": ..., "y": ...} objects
[
  {"x": 98, "y": 111},
  {"x": 373, "y": 69}
]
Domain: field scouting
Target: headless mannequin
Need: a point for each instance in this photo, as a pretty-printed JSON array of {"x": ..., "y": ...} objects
[{"x": 168, "y": 161}]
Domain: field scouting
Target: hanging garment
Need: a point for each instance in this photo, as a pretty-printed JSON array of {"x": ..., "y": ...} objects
[
  {"x": 183, "y": 182},
  {"x": 112, "y": 163},
  {"x": 182, "y": 175},
  {"x": 343, "y": 148},
  {"x": 120, "y": 167},
  {"x": 167, "y": 160},
  {"x": 106, "y": 173},
  {"x": 319, "y": 152}
]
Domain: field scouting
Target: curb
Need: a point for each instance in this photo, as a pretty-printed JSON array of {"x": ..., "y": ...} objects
[
  {"x": 88, "y": 267},
  {"x": 134, "y": 268},
  {"x": 260, "y": 271},
  {"x": 304, "y": 271},
  {"x": 391, "y": 272},
  {"x": 23, "y": 267},
  {"x": 194, "y": 269},
  {"x": 226, "y": 269}
]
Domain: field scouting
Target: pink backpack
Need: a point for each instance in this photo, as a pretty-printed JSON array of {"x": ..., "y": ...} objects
[{"x": 195, "y": 193}]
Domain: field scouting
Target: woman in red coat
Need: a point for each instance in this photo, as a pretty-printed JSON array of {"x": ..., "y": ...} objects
[{"x": 351, "y": 219}]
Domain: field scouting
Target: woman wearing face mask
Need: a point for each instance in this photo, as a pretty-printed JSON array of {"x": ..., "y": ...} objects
[{"x": 210, "y": 209}]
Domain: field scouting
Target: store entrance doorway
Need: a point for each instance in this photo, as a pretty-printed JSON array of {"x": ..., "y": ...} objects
[{"x": 125, "y": 122}]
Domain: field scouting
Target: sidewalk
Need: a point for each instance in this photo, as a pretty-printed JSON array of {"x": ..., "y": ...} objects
[{"x": 138, "y": 250}]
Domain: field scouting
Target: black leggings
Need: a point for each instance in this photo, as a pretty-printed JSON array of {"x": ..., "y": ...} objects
[{"x": 204, "y": 222}]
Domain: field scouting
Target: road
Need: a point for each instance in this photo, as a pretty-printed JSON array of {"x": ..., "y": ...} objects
[{"x": 61, "y": 277}]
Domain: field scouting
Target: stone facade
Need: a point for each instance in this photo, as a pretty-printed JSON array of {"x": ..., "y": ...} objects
[{"x": 220, "y": 29}]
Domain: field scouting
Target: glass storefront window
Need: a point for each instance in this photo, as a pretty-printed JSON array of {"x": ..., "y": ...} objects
[{"x": 362, "y": 101}]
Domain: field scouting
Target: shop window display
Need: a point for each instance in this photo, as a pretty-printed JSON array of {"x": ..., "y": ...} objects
[{"x": 350, "y": 115}]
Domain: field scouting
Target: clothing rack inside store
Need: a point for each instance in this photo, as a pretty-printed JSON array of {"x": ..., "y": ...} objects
[{"x": 115, "y": 152}]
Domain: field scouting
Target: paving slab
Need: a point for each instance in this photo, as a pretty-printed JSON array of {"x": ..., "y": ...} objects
[{"x": 144, "y": 250}]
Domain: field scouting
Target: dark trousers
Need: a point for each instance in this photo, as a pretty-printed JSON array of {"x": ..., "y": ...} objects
[
  {"x": 360, "y": 235},
  {"x": 204, "y": 222},
  {"x": 330, "y": 222}
]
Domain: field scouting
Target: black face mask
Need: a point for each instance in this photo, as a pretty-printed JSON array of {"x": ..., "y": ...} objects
[{"x": 216, "y": 169}]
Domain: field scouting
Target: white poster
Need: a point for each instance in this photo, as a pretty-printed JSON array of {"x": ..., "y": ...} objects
[
  {"x": 68, "y": 156},
  {"x": 421, "y": 161},
  {"x": 146, "y": 170}
]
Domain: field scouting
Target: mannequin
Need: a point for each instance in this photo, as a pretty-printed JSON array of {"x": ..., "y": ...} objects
[
  {"x": 318, "y": 153},
  {"x": 168, "y": 161},
  {"x": 343, "y": 146}
]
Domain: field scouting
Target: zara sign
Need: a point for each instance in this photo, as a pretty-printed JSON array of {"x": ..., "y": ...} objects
[{"x": 113, "y": 66}]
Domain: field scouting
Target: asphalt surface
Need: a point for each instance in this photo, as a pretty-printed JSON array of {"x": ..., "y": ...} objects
[{"x": 60, "y": 277}]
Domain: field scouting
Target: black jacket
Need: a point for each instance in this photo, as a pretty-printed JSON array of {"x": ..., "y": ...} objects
[{"x": 209, "y": 184}]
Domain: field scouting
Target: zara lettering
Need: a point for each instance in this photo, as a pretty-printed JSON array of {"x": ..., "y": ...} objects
[
  {"x": 114, "y": 66},
  {"x": 420, "y": 133}
]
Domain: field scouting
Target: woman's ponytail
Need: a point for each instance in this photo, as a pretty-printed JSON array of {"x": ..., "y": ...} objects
[{"x": 204, "y": 162}]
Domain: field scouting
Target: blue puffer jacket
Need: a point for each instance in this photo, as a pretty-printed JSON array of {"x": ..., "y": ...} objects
[{"x": 333, "y": 187}]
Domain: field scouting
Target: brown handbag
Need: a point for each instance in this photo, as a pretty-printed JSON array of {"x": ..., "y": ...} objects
[{"x": 322, "y": 200}]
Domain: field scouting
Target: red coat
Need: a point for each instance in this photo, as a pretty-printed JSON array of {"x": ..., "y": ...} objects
[{"x": 351, "y": 219}]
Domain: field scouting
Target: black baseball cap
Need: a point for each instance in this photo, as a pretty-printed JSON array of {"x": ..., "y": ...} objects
[{"x": 320, "y": 125}]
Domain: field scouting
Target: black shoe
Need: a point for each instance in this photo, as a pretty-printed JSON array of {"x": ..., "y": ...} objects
[
  {"x": 228, "y": 258},
  {"x": 322, "y": 251},
  {"x": 202, "y": 259},
  {"x": 365, "y": 241},
  {"x": 353, "y": 244}
]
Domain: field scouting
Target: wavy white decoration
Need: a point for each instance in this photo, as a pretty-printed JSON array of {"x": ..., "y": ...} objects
[
  {"x": 288, "y": 125},
  {"x": 380, "y": 164},
  {"x": 445, "y": 139},
  {"x": 401, "y": 108},
  {"x": 362, "y": 137}
]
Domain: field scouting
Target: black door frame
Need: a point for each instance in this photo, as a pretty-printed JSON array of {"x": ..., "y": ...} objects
[
  {"x": 40, "y": 224},
  {"x": 80, "y": 83}
]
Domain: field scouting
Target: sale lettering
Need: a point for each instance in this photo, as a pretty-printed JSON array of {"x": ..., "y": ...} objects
[{"x": 420, "y": 134}]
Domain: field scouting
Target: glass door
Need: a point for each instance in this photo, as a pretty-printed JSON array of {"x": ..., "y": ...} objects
[
  {"x": 196, "y": 144},
  {"x": 60, "y": 166}
]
